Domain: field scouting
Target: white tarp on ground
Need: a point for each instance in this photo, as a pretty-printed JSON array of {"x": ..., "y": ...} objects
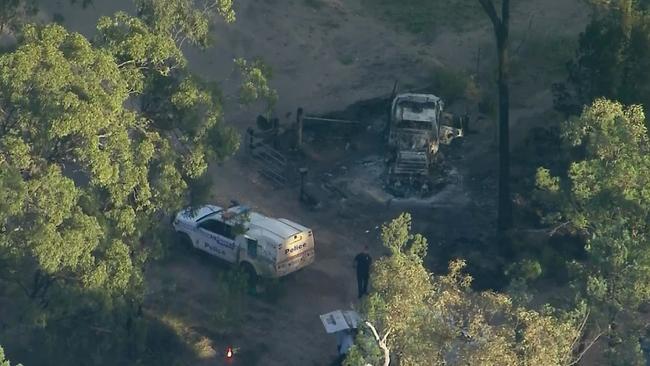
[{"x": 339, "y": 320}]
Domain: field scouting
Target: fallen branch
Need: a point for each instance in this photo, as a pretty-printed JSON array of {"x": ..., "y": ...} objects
[
  {"x": 101, "y": 330},
  {"x": 580, "y": 330},
  {"x": 547, "y": 231},
  {"x": 593, "y": 341},
  {"x": 555, "y": 229}
]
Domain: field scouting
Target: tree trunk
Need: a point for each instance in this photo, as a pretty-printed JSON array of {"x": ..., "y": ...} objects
[
  {"x": 501, "y": 32},
  {"x": 381, "y": 342},
  {"x": 299, "y": 124},
  {"x": 505, "y": 203}
]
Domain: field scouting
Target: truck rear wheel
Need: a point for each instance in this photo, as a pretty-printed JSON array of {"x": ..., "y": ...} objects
[
  {"x": 251, "y": 275},
  {"x": 184, "y": 240}
]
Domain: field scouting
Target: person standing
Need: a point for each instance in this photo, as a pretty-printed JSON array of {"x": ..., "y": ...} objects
[{"x": 362, "y": 263}]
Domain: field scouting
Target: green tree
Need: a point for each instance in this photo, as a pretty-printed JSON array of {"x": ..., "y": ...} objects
[
  {"x": 14, "y": 13},
  {"x": 172, "y": 98},
  {"x": 85, "y": 178},
  {"x": 190, "y": 21},
  {"x": 99, "y": 141},
  {"x": 255, "y": 83},
  {"x": 184, "y": 20},
  {"x": 3, "y": 360},
  {"x": 611, "y": 60},
  {"x": 440, "y": 320},
  {"x": 604, "y": 197}
]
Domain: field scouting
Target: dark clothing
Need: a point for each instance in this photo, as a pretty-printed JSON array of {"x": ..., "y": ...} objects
[
  {"x": 362, "y": 284},
  {"x": 363, "y": 261}
]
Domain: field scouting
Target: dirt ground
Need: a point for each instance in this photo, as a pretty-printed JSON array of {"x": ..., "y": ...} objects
[{"x": 325, "y": 58}]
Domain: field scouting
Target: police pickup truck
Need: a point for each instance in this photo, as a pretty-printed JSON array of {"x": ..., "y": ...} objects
[{"x": 261, "y": 245}]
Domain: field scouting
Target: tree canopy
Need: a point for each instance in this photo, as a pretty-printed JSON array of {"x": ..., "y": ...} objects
[
  {"x": 604, "y": 197},
  {"x": 440, "y": 320},
  {"x": 99, "y": 141},
  {"x": 3, "y": 360},
  {"x": 14, "y": 13},
  {"x": 611, "y": 60},
  {"x": 184, "y": 20},
  {"x": 70, "y": 150}
]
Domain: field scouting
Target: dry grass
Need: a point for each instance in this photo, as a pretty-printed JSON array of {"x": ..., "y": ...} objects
[
  {"x": 200, "y": 345},
  {"x": 425, "y": 16},
  {"x": 316, "y": 4},
  {"x": 544, "y": 54}
]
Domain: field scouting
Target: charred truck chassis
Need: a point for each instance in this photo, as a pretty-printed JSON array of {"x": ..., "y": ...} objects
[{"x": 416, "y": 131}]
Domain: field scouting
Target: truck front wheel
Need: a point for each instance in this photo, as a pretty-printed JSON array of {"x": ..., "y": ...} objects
[
  {"x": 251, "y": 275},
  {"x": 184, "y": 240}
]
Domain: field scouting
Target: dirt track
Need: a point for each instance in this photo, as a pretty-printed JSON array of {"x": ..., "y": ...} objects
[{"x": 324, "y": 59}]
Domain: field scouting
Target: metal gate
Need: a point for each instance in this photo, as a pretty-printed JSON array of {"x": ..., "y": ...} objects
[{"x": 271, "y": 164}]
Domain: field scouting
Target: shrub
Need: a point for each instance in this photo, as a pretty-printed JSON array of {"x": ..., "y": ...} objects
[{"x": 448, "y": 84}]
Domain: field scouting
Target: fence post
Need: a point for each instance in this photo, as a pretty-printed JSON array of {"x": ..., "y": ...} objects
[
  {"x": 478, "y": 62},
  {"x": 299, "y": 122},
  {"x": 250, "y": 132},
  {"x": 303, "y": 173}
]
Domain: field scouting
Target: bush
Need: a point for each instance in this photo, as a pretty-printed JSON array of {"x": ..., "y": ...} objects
[
  {"x": 525, "y": 269},
  {"x": 450, "y": 85}
]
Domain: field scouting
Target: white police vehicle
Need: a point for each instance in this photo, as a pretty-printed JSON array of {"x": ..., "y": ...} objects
[{"x": 265, "y": 246}]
